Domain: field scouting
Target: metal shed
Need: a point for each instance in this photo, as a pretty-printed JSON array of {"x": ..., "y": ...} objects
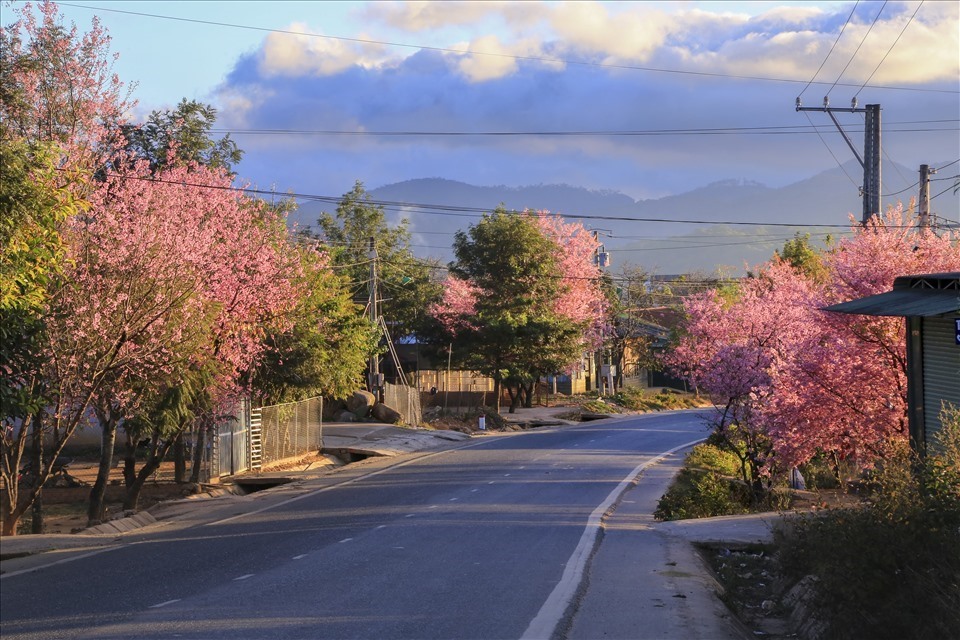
[{"x": 931, "y": 305}]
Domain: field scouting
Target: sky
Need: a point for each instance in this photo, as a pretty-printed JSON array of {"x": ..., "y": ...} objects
[{"x": 322, "y": 94}]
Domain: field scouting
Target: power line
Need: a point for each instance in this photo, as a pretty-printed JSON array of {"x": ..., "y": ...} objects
[
  {"x": 890, "y": 127},
  {"x": 872, "y": 24},
  {"x": 582, "y": 63},
  {"x": 479, "y": 212},
  {"x": 842, "y": 29},
  {"x": 870, "y": 77}
]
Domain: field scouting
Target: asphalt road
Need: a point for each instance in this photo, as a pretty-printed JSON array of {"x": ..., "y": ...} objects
[{"x": 489, "y": 540}]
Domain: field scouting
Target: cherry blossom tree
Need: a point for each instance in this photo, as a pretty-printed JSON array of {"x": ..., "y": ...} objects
[
  {"x": 802, "y": 381},
  {"x": 57, "y": 85}
]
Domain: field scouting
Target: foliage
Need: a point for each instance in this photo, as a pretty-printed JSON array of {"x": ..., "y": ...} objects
[
  {"x": 799, "y": 254},
  {"x": 523, "y": 298},
  {"x": 323, "y": 350},
  {"x": 705, "y": 487},
  {"x": 892, "y": 569},
  {"x": 406, "y": 283},
  {"x": 184, "y": 136},
  {"x": 790, "y": 380},
  {"x": 639, "y": 399},
  {"x": 57, "y": 86}
]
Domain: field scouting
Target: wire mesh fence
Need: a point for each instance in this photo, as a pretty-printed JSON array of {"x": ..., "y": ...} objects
[
  {"x": 285, "y": 431},
  {"x": 406, "y": 400}
]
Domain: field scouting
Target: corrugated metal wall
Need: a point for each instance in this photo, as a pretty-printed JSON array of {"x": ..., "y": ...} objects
[{"x": 941, "y": 371}]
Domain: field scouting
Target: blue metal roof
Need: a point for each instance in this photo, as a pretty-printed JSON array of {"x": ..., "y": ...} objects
[{"x": 926, "y": 295}]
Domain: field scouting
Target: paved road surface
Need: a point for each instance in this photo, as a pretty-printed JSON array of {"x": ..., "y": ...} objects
[{"x": 490, "y": 540}]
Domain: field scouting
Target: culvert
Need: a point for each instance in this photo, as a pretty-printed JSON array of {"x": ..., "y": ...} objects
[{"x": 252, "y": 485}]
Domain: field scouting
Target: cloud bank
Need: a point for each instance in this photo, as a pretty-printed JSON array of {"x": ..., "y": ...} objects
[{"x": 514, "y": 67}]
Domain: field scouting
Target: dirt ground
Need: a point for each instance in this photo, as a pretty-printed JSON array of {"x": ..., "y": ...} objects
[{"x": 65, "y": 507}]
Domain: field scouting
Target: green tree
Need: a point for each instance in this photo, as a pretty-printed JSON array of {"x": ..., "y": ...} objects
[
  {"x": 406, "y": 284},
  {"x": 804, "y": 257},
  {"x": 325, "y": 346},
  {"x": 186, "y": 131},
  {"x": 32, "y": 209},
  {"x": 513, "y": 333}
]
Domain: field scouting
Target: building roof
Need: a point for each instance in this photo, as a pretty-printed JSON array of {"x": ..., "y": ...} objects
[{"x": 932, "y": 294}]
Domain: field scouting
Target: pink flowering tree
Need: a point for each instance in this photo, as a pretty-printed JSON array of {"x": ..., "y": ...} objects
[
  {"x": 59, "y": 86},
  {"x": 819, "y": 383},
  {"x": 523, "y": 299}
]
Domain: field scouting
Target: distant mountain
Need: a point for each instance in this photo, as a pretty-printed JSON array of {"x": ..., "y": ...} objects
[{"x": 696, "y": 230}]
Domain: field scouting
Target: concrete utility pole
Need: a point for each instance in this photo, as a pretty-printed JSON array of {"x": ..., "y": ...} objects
[
  {"x": 923, "y": 201},
  {"x": 375, "y": 378},
  {"x": 870, "y": 161}
]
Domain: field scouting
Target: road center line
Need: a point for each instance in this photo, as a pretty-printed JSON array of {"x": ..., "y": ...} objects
[
  {"x": 302, "y": 555},
  {"x": 163, "y": 604},
  {"x": 545, "y": 623},
  {"x": 243, "y": 577},
  {"x": 345, "y": 540}
]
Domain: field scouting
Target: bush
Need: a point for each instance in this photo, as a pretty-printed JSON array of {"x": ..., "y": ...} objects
[
  {"x": 705, "y": 487},
  {"x": 892, "y": 569}
]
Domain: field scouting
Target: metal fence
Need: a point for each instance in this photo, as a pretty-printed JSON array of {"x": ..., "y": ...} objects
[
  {"x": 406, "y": 400},
  {"x": 230, "y": 453},
  {"x": 285, "y": 431}
]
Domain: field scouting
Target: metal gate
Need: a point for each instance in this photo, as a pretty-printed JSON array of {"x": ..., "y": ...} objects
[{"x": 285, "y": 431}]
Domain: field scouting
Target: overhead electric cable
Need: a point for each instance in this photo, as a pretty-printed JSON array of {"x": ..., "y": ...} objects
[
  {"x": 830, "y": 151},
  {"x": 477, "y": 212},
  {"x": 890, "y": 127},
  {"x": 820, "y": 68},
  {"x": 870, "y": 77},
  {"x": 872, "y": 24},
  {"x": 583, "y": 63}
]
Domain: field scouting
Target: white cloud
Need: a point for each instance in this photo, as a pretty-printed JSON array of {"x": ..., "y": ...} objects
[
  {"x": 628, "y": 34},
  {"x": 304, "y": 53}
]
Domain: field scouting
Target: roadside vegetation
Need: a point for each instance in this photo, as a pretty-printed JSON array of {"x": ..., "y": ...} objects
[{"x": 883, "y": 564}]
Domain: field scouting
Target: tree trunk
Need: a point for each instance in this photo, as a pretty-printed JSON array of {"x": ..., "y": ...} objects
[
  {"x": 129, "y": 460},
  {"x": 528, "y": 395},
  {"x": 36, "y": 471},
  {"x": 179, "y": 461},
  {"x": 158, "y": 451},
  {"x": 198, "y": 451},
  {"x": 514, "y": 399},
  {"x": 497, "y": 390},
  {"x": 96, "y": 512}
]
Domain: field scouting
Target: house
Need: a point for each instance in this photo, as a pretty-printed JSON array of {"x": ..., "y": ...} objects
[{"x": 931, "y": 305}]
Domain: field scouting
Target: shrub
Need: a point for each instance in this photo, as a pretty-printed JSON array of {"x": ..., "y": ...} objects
[{"x": 891, "y": 569}]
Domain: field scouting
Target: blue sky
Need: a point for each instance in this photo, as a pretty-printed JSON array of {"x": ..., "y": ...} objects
[{"x": 537, "y": 67}]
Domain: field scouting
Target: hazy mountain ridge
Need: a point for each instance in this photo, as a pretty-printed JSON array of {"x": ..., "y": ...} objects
[{"x": 651, "y": 240}]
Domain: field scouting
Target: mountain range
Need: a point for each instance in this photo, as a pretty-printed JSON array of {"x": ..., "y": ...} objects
[{"x": 726, "y": 226}]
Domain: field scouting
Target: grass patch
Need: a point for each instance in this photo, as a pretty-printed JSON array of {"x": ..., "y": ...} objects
[
  {"x": 638, "y": 399},
  {"x": 708, "y": 485}
]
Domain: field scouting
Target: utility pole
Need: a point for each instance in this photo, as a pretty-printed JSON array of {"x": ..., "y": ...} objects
[
  {"x": 924, "y": 199},
  {"x": 375, "y": 378},
  {"x": 870, "y": 161}
]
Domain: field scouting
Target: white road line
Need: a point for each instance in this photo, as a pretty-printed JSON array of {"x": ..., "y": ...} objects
[
  {"x": 433, "y": 506},
  {"x": 243, "y": 577},
  {"x": 383, "y": 526},
  {"x": 302, "y": 555},
  {"x": 331, "y": 487},
  {"x": 491, "y": 482},
  {"x": 163, "y": 604},
  {"x": 506, "y": 475},
  {"x": 409, "y": 515},
  {"x": 453, "y": 499},
  {"x": 545, "y": 623},
  {"x": 64, "y": 561},
  {"x": 345, "y": 540},
  {"x": 474, "y": 490}
]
